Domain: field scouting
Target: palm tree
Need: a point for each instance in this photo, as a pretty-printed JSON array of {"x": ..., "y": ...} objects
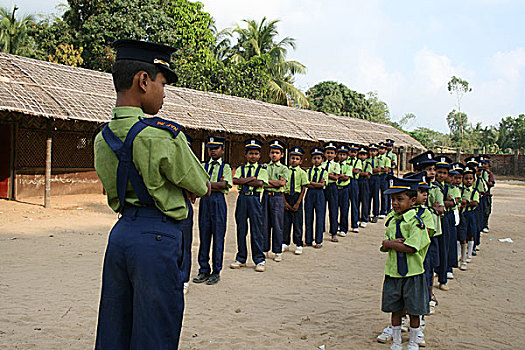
[
  {"x": 258, "y": 39},
  {"x": 13, "y": 32}
]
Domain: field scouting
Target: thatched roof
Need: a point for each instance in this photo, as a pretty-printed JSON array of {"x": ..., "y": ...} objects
[{"x": 39, "y": 88}]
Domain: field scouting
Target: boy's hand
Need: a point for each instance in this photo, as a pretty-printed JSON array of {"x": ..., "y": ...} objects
[{"x": 295, "y": 207}]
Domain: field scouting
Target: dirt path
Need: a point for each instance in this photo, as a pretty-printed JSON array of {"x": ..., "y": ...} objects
[{"x": 50, "y": 267}]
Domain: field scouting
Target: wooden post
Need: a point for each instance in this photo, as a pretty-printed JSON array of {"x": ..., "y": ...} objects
[
  {"x": 476, "y": 152},
  {"x": 47, "y": 192},
  {"x": 458, "y": 155},
  {"x": 515, "y": 161}
]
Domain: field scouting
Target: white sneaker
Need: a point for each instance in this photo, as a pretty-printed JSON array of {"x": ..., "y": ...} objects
[
  {"x": 278, "y": 257},
  {"x": 463, "y": 266},
  {"x": 237, "y": 265},
  {"x": 486, "y": 230},
  {"x": 185, "y": 287},
  {"x": 261, "y": 267},
  {"x": 298, "y": 250},
  {"x": 412, "y": 346},
  {"x": 386, "y": 336},
  {"x": 381, "y": 216},
  {"x": 450, "y": 275},
  {"x": 342, "y": 234},
  {"x": 285, "y": 248},
  {"x": 363, "y": 224},
  {"x": 469, "y": 259},
  {"x": 396, "y": 346},
  {"x": 432, "y": 305},
  {"x": 356, "y": 230},
  {"x": 421, "y": 339}
]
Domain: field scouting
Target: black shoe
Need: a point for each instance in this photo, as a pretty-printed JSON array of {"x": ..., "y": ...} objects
[
  {"x": 474, "y": 253},
  {"x": 201, "y": 277},
  {"x": 213, "y": 279},
  {"x": 374, "y": 220}
]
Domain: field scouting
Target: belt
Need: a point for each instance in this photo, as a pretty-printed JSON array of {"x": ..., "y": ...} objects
[
  {"x": 273, "y": 193},
  {"x": 342, "y": 187},
  {"x": 251, "y": 193}
]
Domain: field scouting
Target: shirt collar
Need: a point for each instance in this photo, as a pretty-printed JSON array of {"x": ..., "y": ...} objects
[
  {"x": 277, "y": 164},
  {"x": 406, "y": 215},
  {"x": 219, "y": 161},
  {"x": 126, "y": 112},
  {"x": 254, "y": 164}
]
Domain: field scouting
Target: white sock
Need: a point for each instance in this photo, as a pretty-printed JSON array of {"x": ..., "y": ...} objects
[
  {"x": 413, "y": 334},
  {"x": 463, "y": 253},
  {"x": 470, "y": 248},
  {"x": 396, "y": 334},
  {"x": 459, "y": 249}
]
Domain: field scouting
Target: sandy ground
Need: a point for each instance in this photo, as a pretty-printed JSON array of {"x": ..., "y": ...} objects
[{"x": 50, "y": 269}]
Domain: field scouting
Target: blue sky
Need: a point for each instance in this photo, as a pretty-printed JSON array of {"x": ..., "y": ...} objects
[{"x": 404, "y": 50}]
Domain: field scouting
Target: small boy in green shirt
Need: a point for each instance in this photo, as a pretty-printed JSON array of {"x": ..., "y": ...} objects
[
  {"x": 315, "y": 199},
  {"x": 343, "y": 189},
  {"x": 293, "y": 195},
  {"x": 406, "y": 241}
]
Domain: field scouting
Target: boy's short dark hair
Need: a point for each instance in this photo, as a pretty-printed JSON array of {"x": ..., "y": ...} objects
[
  {"x": 124, "y": 71},
  {"x": 411, "y": 193}
]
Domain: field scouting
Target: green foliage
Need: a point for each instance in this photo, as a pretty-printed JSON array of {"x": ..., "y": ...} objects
[
  {"x": 379, "y": 111},
  {"x": 457, "y": 123},
  {"x": 68, "y": 55},
  {"x": 48, "y": 34},
  {"x": 512, "y": 133},
  {"x": 14, "y": 37},
  {"x": 334, "y": 98},
  {"x": 431, "y": 138}
]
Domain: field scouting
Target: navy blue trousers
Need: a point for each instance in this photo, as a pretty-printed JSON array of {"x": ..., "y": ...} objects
[
  {"x": 430, "y": 262},
  {"x": 353, "y": 191},
  {"x": 443, "y": 244},
  {"x": 249, "y": 208},
  {"x": 479, "y": 219},
  {"x": 385, "y": 199},
  {"x": 374, "y": 183},
  {"x": 294, "y": 219},
  {"x": 467, "y": 226},
  {"x": 343, "y": 200},
  {"x": 364, "y": 199},
  {"x": 273, "y": 216},
  {"x": 142, "y": 303},
  {"x": 452, "y": 241},
  {"x": 314, "y": 201},
  {"x": 212, "y": 227},
  {"x": 187, "y": 241},
  {"x": 332, "y": 199}
]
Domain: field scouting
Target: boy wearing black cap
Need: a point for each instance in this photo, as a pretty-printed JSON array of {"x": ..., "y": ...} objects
[
  {"x": 488, "y": 176},
  {"x": 406, "y": 241},
  {"x": 142, "y": 279},
  {"x": 364, "y": 187},
  {"x": 467, "y": 226},
  {"x": 356, "y": 166},
  {"x": 293, "y": 195},
  {"x": 383, "y": 184},
  {"x": 272, "y": 202},
  {"x": 333, "y": 170},
  {"x": 213, "y": 213},
  {"x": 375, "y": 165},
  {"x": 342, "y": 189},
  {"x": 251, "y": 178},
  {"x": 315, "y": 200}
]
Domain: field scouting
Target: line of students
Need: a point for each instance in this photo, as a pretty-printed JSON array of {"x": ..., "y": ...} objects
[
  {"x": 442, "y": 210},
  {"x": 345, "y": 179}
]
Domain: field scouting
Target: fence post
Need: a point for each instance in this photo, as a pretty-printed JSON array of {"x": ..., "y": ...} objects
[
  {"x": 458, "y": 155},
  {"x": 515, "y": 161},
  {"x": 476, "y": 152},
  {"x": 47, "y": 191}
]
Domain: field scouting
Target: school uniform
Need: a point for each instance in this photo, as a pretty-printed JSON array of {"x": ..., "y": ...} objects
[
  {"x": 343, "y": 195},
  {"x": 393, "y": 165},
  {"x": 249, "y": 207},
  {"x": 444, "y": 238},
  {"x": 374, "y": 183},
  {"x": 481, "y": 187},
  {"x": 468, "y": 226},
  {"x": 487, "y": 209},
  {"x": 314, "y": 202},
  {"x": 213, "y": 218},
  {"x": 273, "y": 208},
  {"x": 364, "y": 193},
  {"x": 330, "y": 193},
  {"x": 292, "y": 193},
  {"x": 354, "y": 163},
  {"x": 383, "y": 184}
]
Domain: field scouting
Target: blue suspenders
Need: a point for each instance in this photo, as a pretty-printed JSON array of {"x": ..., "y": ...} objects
[{"x": 126, "y": 170}]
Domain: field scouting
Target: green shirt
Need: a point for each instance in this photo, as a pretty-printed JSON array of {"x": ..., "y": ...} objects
[
  {"x": 355, "y": 163},
  {"x": 386, "y": 162},
  {"x": 393, "y": 158},
  {"x": 331, "y": 167},
  {"x": 250, "y": 169},
  {"x": 321, "y": 174},
  {"x": 276, "y": 171},
  {"x": 414, "y": 236},
  {"x": 435, "y": 196},
  {"x": 479, "y": 184},
  {"x": 166, "y": 163},
  {"x": 213, "y": 172},
  {"x": 470, "y": 194},
  {"x": 346, "y": 169},
  {"x": 373, "y": 162},
  {"x": 428, "y": 219},
  {"x": 300, "y": 180}
]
